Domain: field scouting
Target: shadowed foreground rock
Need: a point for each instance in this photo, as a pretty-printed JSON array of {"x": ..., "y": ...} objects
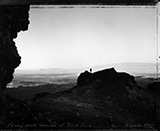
[
  {"x": 154, "y": 88},
  {"x": 104, "y": 99},
  {"x": 13, "y": 19},
  {"x": 108, "y": 99}
]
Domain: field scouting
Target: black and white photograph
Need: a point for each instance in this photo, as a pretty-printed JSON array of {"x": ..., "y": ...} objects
[{"x": 79, "y": 66}]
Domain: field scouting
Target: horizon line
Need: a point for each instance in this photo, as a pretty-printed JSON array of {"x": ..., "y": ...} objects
[{"x": 78, "y": 68}]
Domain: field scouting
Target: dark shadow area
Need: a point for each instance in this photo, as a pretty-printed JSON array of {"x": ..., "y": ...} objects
[{"x": 106, "y": 99}]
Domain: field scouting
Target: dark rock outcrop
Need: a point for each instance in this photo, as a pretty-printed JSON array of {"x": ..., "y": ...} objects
[
  {"x": 104, "y": 99},
  {"x": 13, "y": 19},
  {"x": 107, "y": 76},
  {"x": 21, "y": 114},
  {"x": 116, "y": 95},
  {"x": 83, "y": 78},
  {"x": 119, "y": 95},
  {"x": 154, "y": 88},
  {"x": 106, "y": 82}
]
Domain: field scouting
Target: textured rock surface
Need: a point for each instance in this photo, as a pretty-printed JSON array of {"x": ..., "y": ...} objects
[
  {"x": 104, "y": 99},
  {"x": 107, "y": 99},
  {"x": 12, "y": 20}
]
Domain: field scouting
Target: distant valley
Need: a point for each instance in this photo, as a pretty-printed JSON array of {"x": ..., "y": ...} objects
[{"x": 36, "y": 77}]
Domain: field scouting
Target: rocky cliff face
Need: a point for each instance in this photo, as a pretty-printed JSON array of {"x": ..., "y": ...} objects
[
  {"x": 118, "y": 94},
  {"x": 107, "y": 99},
  {"x": 104, "y": 99},
  {"x": 12, "y": 20}
]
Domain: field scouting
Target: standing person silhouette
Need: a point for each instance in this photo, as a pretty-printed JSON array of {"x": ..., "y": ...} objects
[{"x": 90, "y": 70}]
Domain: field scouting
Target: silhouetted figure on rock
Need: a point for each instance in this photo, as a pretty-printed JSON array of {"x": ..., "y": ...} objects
[{"x": 90, "y": 70}]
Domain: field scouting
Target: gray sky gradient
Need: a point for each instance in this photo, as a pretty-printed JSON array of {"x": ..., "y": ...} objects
[{"x": 85, "y": 37}]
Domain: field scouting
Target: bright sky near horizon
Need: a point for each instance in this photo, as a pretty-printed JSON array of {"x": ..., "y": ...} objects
[{"x": 86, "y": 37}]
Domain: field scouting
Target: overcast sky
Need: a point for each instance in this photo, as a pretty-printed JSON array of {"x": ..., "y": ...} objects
[{"x": 85, "y": 37}]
